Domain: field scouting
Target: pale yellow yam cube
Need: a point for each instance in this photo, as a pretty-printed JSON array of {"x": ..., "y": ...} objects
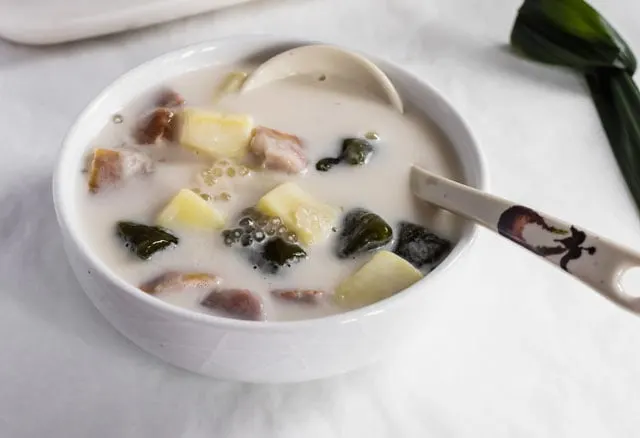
[
  {"x": 309, "y": 218},
  {"x": 215, "y": 134},
  {"x": 188, "y": 210},
  {"x": 384, "y": 275}
]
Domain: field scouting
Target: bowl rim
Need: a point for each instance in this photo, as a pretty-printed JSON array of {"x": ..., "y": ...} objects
[{"x": 348, "y": 316}]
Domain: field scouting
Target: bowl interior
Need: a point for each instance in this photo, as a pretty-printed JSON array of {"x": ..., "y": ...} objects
[{"x": 252, "y": 49}]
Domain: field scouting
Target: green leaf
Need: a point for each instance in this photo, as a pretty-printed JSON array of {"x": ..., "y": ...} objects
[
  {"x": 569, "y": 33},
  {"x": 618, "y": 103}
]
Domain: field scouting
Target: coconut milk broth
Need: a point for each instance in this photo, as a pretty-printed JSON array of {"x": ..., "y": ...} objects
[{"x": 322, "y": 113}]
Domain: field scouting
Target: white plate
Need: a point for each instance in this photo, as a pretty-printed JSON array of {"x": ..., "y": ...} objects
[{"x": 57, "y": 21}]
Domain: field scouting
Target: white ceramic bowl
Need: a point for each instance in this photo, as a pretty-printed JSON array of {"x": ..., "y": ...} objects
[{"x": 247, "y": 350}]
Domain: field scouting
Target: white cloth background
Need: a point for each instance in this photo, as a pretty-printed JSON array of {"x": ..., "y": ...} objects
[{"x": 514, "y": 349}]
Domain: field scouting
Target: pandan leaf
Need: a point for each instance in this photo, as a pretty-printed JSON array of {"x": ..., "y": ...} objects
[
  {"x": 571, "y": 33},
  {"x": 618, "y": 103}
]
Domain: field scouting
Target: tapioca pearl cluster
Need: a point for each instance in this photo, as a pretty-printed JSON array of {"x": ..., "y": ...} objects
[
  {"x": 224, "y": 169},
  {"x": 218, "y": 180},
  {"x": 255, "y": 227}
]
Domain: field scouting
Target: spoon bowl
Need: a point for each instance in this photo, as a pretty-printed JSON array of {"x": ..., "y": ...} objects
[{"x": 324, "y": 60}]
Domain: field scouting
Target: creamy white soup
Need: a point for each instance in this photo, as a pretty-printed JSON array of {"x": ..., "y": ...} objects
[{"x": 287, "y": 202}]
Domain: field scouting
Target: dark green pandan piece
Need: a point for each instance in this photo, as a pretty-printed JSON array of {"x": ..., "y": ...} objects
[
  {"x": 421, "y": 247},
  {"x": 573, "y": 34},
  {"x": 354, "y": 152},
  {"x": 326, "y": 164},
  {"x": 277, "y": 254},
  {"x": 144, "y": 240},
  {"x": 362, "y": 231}
]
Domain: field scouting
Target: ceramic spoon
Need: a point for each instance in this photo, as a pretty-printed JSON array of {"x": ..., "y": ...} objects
[
  {"x": 324, "y": 61},
  {"x": 596, "y": 261}
]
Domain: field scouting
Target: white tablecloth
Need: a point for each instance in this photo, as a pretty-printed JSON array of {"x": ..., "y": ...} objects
[{"x": 514, "y": 349}]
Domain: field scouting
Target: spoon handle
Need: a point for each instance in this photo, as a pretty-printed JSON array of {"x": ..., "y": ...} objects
[{"x": 595, "y": 260}]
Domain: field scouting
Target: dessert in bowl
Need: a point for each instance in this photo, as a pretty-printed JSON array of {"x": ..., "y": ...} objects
[{"x": 267, "y": 235}]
